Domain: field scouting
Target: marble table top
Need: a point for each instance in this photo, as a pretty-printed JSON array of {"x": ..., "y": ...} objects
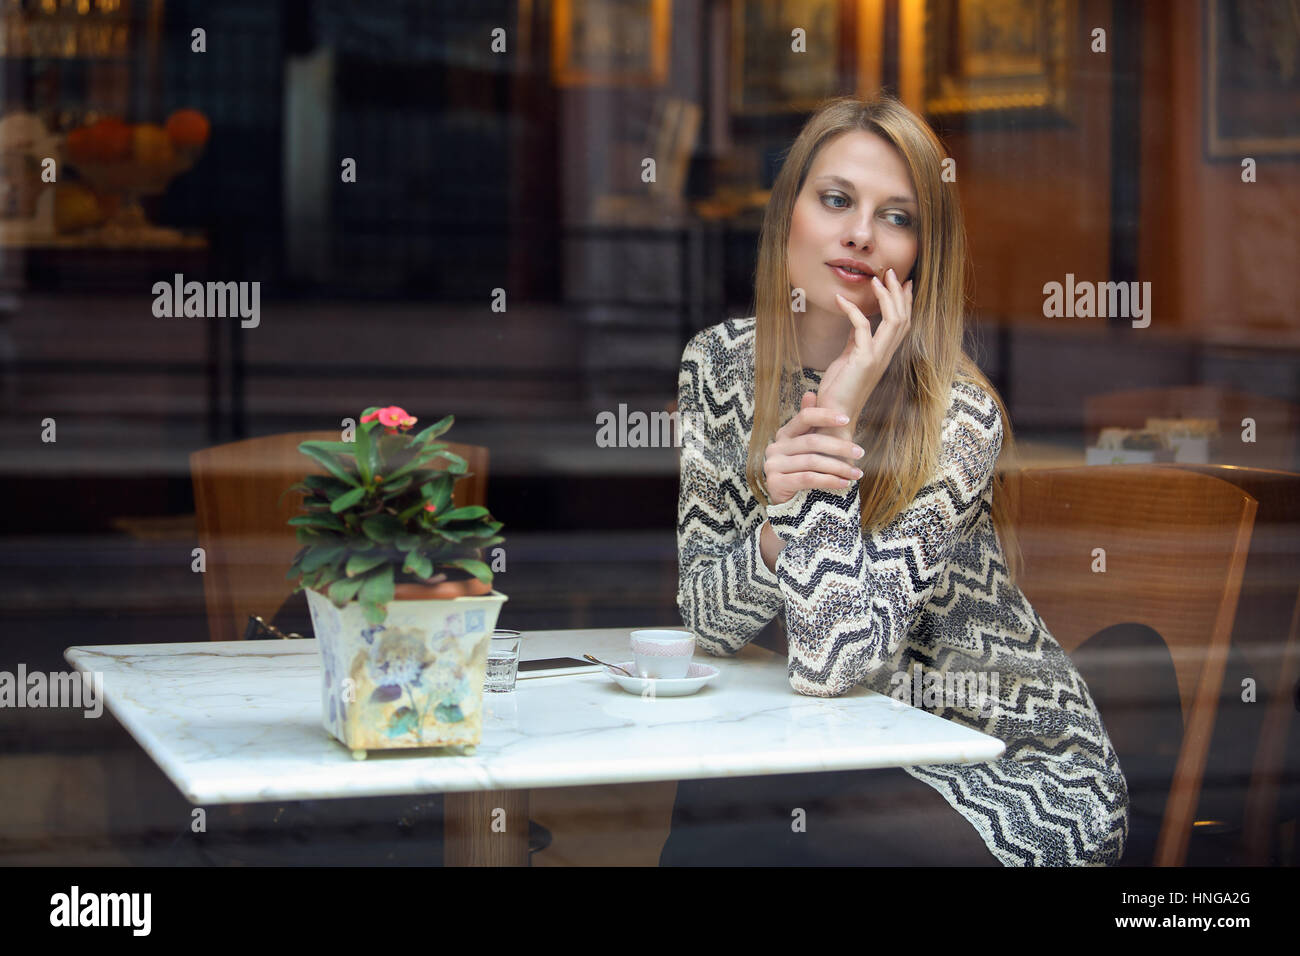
[{"x": 239, "y": 722}]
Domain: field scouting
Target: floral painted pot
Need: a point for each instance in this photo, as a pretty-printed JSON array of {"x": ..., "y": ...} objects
[{"x": 414, "y": 681}]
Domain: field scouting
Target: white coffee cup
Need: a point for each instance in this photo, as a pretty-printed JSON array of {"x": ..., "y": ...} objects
[{"x": 663, "y": 652}]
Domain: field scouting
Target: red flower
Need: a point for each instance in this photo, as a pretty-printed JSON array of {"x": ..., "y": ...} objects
[
  {"x": 394, "y": 416},
  {"x": 430, "y": 507}
]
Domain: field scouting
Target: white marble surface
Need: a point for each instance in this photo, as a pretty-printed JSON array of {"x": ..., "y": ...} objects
[{"x": 239, "y": 721}]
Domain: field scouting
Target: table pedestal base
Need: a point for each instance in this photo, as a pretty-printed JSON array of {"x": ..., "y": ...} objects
[{"x": 486, "y": 828}]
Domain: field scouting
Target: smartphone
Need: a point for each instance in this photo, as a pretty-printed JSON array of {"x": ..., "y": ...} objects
[{"x": 554, "y": 663}]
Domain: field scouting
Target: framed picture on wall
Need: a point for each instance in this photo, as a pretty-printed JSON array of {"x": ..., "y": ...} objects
[
  {"x": 768, "y": 76},
  {"x": 610, "y": 42},
  {"x": 1252, "y": 78},
  {"x": 993, "y": 62}
]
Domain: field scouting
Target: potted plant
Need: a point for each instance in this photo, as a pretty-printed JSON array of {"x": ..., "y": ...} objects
[{"x": 401, "y": 601}]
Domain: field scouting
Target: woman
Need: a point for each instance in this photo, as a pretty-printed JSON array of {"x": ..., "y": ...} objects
[{"x": 838, "y": 468}]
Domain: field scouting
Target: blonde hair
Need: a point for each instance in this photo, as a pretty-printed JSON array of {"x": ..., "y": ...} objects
[{"x": 900, "y": 429}]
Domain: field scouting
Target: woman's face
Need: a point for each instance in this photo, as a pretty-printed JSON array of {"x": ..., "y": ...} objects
[{"x": 857, "y": 203}]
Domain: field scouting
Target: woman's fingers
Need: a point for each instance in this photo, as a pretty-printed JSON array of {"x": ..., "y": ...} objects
[
  {"x": 808, "y": 418},
  {"x": 896, "y": 307},
  {"x": 812, "y": 464},
  {"x": 888, "y": 308},
  {"x": 860, "y": 321},
  {"x": 820, "y": 442}
]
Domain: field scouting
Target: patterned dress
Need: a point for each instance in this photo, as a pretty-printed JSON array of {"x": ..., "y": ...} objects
[{"x": 929, "y": 592}]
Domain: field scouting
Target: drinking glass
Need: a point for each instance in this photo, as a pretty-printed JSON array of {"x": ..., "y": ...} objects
[{"x": 503, "y": 661}]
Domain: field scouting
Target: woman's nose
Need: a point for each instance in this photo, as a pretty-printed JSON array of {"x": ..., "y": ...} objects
[{"x": 861, "y": 235}]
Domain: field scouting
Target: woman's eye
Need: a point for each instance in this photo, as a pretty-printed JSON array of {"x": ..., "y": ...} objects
[{"x": 899, "y": 219}]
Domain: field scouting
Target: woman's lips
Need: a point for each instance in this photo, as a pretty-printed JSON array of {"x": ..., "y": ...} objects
[{"x": 849, "y": 276}]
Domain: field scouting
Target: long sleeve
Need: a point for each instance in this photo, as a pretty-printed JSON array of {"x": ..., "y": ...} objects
[
  {"x": 852, "y": 596},
  {"x": 725, "y": 593}
]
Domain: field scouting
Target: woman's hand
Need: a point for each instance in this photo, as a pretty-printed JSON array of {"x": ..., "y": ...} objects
[
  {"x": 801, "y": 458},
  {"x": 852, "y": 377}
]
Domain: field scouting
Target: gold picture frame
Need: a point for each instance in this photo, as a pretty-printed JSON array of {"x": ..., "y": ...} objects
[
  {"x": 767, "y": 77},
  {"x": 610, "y": 42},
  {"x": 1252, "y": 82},
  {"x": 997, "y": 60}
]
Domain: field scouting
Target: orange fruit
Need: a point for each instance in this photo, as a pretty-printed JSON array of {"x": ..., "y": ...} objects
[
  {"x": 81, "y": 148},
  {"x": 151, "y": 145},
  {"x": 75, "y": 207},
  {"x": 188, "y": 127},
  {"x": 110, "y": 140}
]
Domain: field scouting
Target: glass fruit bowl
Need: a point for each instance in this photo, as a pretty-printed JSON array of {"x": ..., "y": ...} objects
[{"x": 124, "y": 162}]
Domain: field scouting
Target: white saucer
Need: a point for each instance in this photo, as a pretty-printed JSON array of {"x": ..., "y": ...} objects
[{"x": 696, "y": 677}]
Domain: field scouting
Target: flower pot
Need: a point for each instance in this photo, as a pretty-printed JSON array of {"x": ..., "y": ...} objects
[{"x": 414, "y": 681}]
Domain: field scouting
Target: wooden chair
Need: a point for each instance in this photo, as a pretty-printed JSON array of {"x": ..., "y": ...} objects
[
  {"x": 1265, "y": 635},
  {"x": 1175, "y": 546},
  {"x": 1276, "y": 422},
  {"x": 243, "y": 526}
]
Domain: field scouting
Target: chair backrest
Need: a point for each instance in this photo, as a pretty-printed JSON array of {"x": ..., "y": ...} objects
[
  {"x": 1174, "y": 545},
  {"x": 1276, "y": 422},
  {"x": 1265, "y": 635},
  {"x": 243, "y": 525}
]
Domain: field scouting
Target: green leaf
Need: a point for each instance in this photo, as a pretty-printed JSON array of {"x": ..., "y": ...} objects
[
  {"x": 458, "y": 464},
  {"x": 327, "y": 521},
  {"x": 315, "y": 578},
  {"x": 438, "y": 491},
  {"x": 333, "y": 465},
  {"x": 308, "y": 536},
  {"x": 410, "y": 512},
  {"x": 382, "y": 528},
  {"x": 436, "y": 429},
  {"x": 296, "y": 486},
  {"x": 361, "y": 563},
  {"x": 407, "y": 542},
  {"x": 318, "y": 557},
  {"x": 466, "y": 513},
  {"x": 418, "y": 565},
  {"x": 344, "y": 590},
  {"x": 337, "y": 447},
  {"x": 476, "y": 568},
  {"x": 378, "y": 587},
  {"x": 347, "y": 500},
  {"x": 326, "y": 576},
  {"x": 325, "y": 484},
  {"x": 421, "y": 458},
  {"x": 393, "y": 489},
  {"x": 375, "y": 613},
  {"x": 390, "y": 446},
  {"x": 365, "y": 453}
]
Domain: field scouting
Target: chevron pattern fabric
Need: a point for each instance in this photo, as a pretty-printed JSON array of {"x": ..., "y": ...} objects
[{"x": 924, "y": 602}]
